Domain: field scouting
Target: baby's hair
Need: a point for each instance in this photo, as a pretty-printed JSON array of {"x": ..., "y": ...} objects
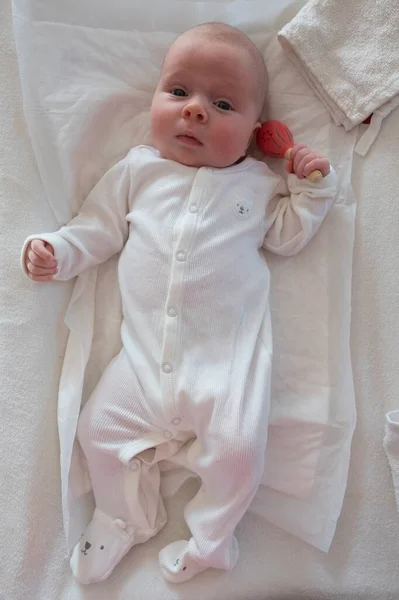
[{"x": 226, "y": 34}]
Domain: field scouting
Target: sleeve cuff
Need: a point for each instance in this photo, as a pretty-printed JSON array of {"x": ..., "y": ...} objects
[{"x": 326, "y": 187}]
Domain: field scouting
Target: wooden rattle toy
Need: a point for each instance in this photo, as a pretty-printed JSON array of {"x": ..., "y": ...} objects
[{"x": 276, "y": 140}]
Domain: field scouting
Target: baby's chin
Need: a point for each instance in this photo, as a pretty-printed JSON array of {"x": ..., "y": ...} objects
[{"x": 191, "y": 160}]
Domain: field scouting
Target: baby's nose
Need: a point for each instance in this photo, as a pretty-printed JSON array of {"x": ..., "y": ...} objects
[{"x": 195, "y": 111}]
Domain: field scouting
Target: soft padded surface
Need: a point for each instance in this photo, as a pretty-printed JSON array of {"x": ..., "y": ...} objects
[
  {"x": 86, "y": 103},
  {"x": 363, "y": 560}
]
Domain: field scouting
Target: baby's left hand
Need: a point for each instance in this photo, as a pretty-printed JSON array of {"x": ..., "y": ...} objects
[{"x": 304, "y": 160}]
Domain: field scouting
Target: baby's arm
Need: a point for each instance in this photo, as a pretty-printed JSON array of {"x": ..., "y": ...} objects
[
  {"x": 292, "y": 221},
  {"x": 98, "y": 231}
]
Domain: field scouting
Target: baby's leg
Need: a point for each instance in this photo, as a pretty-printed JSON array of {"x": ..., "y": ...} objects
[
  {"x": 230, "y": 474},
  {"x": 114, "y": 427},
  {"x": 230, "y": 462}
]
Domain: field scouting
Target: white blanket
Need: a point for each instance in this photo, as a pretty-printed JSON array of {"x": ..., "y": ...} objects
[
  {"x": 86, "y": 102},
  {"x": 348, "y": 52},
  {"x": 362, "y": 561}
]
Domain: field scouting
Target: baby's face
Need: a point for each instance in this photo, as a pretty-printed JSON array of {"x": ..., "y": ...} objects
[{"x": 204, "y": 110}]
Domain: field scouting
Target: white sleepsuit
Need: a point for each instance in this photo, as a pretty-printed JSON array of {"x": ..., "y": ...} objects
[{"x": 196, "y": 356}]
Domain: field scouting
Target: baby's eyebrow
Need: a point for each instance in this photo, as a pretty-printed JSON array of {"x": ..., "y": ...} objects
[
  {"x": 229, "y": 84},
  {"x": 176, "y": 75}
]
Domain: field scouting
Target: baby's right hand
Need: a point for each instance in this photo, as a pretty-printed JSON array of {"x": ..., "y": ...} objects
[{"x": 40, "y": 261}]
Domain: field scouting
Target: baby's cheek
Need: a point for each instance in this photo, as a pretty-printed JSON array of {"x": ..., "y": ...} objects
[
  {"x": 160, "y": 120},
  {"x": 157, "y": 127},
  {"x": 229, "y": 142}
]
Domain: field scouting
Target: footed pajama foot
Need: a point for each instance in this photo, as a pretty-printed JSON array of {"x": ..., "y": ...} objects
[
  {"x": 102, "y": 546},
  {"x": 175, "y": 565}
]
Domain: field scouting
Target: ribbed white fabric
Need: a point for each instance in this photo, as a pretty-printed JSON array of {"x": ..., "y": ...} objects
[
  {"x": 196, "y": 338},
  {"x": 391, "y": 447}
]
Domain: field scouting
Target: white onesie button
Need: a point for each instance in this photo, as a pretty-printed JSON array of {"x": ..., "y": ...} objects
[
  {"x": 193, "y": 209},
  {"x": 167, "y": 434},
  {"x": 134, "y": 465},
  {"x": 167, "y": 367},
  {"x": 172, "y": 311},
  {"x": 121, "y": 524},
  {"x": 176, "y": 421},
  {"x": 181, "y": 256}
]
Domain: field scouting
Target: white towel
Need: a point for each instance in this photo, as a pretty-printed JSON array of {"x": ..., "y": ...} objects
[{"x": 348, "y": 51}]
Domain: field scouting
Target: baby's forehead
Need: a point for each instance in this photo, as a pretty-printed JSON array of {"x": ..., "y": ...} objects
[{"x": 189, "y": 51}]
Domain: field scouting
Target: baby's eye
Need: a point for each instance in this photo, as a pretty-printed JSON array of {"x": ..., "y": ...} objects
[
  {"x": 223, "y": 105},
  {"x": 179, "y": 92}
]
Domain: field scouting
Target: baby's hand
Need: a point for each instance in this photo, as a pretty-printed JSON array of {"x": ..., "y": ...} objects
[
  {"x": 40, "y": 261},
  {"x": 304, "y": 160}
]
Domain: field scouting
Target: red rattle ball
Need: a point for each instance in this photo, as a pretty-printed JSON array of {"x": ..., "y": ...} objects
[{"x": 276, "y": 140}]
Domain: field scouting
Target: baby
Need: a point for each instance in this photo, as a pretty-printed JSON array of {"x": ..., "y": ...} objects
[{"x": 191, "y": 216}]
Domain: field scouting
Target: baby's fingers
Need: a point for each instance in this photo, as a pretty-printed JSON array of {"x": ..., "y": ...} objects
[
  {"x": 289, "y": 166},
  {"x": 42, "y": 249},
  {"x": 319, "y": 163},
  {"x": 40, "y": 271},
  {"x": 41, "y": 278},
  {"x": 41, "y": 262}
]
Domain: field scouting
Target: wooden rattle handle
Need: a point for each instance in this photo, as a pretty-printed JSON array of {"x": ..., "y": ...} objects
[{"x": 314, "y": 177}]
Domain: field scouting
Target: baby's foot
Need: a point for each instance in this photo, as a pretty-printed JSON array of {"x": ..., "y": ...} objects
[
  {"x": 102, "y": 546},
  {"x": 176, "y": 565}
]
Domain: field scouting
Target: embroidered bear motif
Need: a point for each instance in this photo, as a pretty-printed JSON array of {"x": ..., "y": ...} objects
[{"x": 242, "y": 208}]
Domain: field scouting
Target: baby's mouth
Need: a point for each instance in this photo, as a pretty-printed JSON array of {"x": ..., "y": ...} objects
[{"x": 189, "y": 140}]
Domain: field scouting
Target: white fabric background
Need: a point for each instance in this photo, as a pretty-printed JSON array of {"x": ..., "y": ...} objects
[
  {"x": 363, "y": 561},
  {"x": 86, "y": 103}
]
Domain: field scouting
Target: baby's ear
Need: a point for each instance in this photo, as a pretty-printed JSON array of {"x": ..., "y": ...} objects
[{"x": 253, "y": 134}]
